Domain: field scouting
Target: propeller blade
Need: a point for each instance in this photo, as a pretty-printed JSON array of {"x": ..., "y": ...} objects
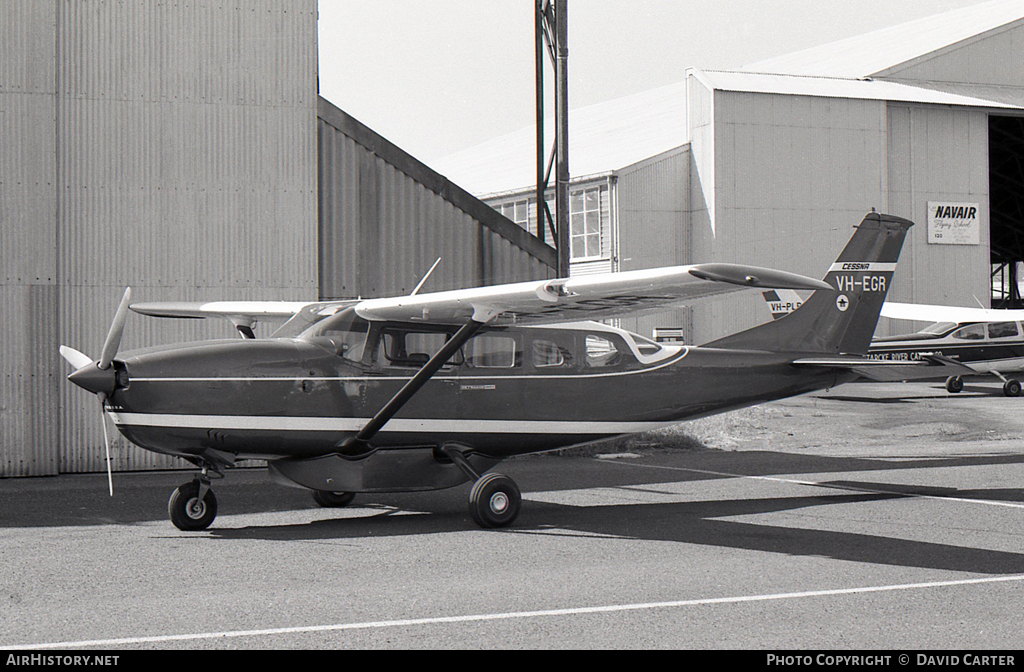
[
  {"x": 116, "y": 328},
  {"x": 74, "y": 357},
  {"x": 106, "y": 444}
]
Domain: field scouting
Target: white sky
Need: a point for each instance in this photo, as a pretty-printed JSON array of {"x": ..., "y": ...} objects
[{"x": 437, "y": 76}]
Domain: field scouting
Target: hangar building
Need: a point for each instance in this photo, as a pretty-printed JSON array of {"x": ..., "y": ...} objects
[
  {"x": 773, "y": 164},
  {"x": 182, "y": 149}
]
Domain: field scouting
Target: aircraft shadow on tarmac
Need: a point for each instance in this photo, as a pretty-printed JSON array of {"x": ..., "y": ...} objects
[
  {"x": 969, "y": 390},
  {"x": 698, "y": 523},
  {"x": 694, "y": 522}
]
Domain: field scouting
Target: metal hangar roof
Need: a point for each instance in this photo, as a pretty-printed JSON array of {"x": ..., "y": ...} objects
[{"x": 880, "y": 52}]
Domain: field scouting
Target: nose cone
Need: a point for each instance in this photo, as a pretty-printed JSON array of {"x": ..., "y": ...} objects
[{"x": 94, "y": 379}]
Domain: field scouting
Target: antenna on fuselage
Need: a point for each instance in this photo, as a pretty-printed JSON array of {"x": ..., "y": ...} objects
[{"x": 420, "y": 284}]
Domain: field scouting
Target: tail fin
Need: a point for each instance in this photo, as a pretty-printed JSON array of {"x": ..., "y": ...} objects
[{"x": 843, "y": 320}]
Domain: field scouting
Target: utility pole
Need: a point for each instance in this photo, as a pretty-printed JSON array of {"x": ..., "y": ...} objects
[{"x": 552, "y": 35}]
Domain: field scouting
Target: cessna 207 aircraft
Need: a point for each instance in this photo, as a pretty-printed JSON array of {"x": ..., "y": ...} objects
[{"x": 427, "y": 391}]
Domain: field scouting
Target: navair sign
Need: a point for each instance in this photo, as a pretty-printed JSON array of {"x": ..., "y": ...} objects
[{"x": 954, "y": 223}]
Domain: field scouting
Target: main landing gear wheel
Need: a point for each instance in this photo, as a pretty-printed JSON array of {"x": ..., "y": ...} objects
[
  {"x": 954, "y": 384},
  {"x": 494, "y": 501},
  {"x": 188, "y": 512},
  {"x": 329, "y": 499},
  {"x": 1011, "y": 388}
]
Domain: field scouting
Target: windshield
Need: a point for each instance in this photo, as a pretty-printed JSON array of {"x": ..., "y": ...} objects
[{"x": 343, "y": 333}]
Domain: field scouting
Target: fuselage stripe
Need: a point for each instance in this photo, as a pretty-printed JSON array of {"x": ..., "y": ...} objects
[
  {"x": 319, "y": 424},
  {"x": 353, "y": 379}
]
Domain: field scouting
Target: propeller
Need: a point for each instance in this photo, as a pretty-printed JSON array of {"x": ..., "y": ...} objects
[{"x": 100, "y": 377}]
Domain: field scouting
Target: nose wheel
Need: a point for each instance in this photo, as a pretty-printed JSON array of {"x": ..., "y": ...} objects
[{"x": 192, "y": 506}]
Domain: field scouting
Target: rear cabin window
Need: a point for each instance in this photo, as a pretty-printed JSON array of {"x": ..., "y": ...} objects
[
  {"x": 547, "y": 354},
  {"x": 602, "y": 352},
  {"x": 492, "y": 351}
]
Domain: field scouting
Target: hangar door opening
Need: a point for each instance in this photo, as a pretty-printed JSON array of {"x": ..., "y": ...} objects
[{"x": 1006, "y": 214}]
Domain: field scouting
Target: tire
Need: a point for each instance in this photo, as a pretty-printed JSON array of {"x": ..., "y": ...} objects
[
  {"x": 954, "y": 384},
  {"x": 186, "y": 512},
  {"x": 1011, "y": 388},
  {"x": 330, "y": 500},
  {"x": 494, "y": 501}
]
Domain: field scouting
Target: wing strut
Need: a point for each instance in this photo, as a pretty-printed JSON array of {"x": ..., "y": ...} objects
[{"x": 356, "y": 445}]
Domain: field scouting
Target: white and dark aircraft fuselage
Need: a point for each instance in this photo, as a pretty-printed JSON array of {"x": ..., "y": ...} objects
[{"x": 429, "y": 391}]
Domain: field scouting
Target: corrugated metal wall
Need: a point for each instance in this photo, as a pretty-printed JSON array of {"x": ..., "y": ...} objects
[
  {"x": 172, "y": 149},
  {"x": 993, "y": 60},
  {"x": 29, "y": 421},
  {"x": 793, "y": 175},
  {"x": 385, "y": 218},
  {"x": 654, "y": 226},
  {"x": 937, "y": 154}
]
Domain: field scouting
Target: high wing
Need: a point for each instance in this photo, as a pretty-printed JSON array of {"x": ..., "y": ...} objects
[
  {"x": 930, "y": 313},
  {"x": 198, "y": 309},
  {"x": 590, "y": 297},
  {"x": 928, "y": 366},
  {"x": 242, "y": 314}
]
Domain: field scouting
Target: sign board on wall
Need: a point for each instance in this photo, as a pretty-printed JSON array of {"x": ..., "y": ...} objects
[{"x": 954, "y": 223}]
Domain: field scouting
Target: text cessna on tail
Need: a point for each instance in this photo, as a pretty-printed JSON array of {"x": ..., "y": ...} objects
[{"x": 428, "y": 391}]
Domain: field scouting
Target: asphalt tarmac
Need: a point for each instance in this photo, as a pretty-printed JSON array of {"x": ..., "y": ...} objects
[{"x": 870, "y": 517}]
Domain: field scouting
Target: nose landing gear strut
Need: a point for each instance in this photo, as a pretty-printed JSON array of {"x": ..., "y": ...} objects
[{"x": 192, "y": 505}]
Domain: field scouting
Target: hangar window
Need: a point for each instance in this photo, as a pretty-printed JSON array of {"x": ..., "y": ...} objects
[
  {"x": 585, "y": 223},
  {"x": 518, "y": 212},
  {"x": 524, "y": 213},
  {"x": 587, "y": 219}
]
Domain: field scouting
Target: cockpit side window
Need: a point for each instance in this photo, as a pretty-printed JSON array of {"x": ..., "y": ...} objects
[{"x": 408, "y": 347}]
